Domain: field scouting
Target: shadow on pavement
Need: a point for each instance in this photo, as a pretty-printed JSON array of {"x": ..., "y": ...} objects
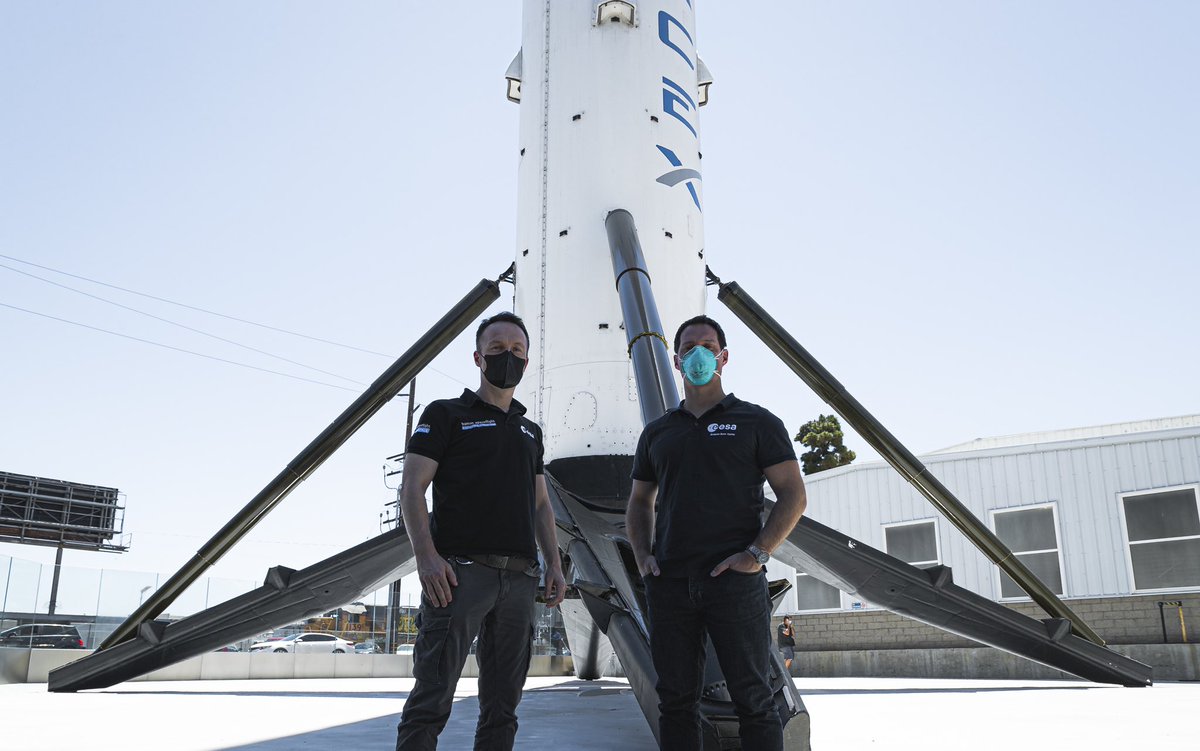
[
  {"x": 581, "y": 716},
  {"x": 401, "y": 696},
  {"x": 932, "y": 690}
]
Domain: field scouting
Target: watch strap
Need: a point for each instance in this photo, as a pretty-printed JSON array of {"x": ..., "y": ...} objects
[{"x": 760, "y": 555}]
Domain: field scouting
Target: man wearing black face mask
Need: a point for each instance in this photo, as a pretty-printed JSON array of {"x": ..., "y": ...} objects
[{"x": 477, "y": 552}]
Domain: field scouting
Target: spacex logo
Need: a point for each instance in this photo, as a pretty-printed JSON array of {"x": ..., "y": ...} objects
[
  {"x": 528, "y": 432},
  {"x": 681, "y": 175},
  {"x": 678, "y": 103}
]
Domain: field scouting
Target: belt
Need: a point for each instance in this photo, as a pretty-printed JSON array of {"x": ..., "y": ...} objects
[{"x": 505, "y": 562}]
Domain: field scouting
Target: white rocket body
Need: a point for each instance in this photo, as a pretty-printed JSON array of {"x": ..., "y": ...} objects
[{"x": 609, "y": 120}]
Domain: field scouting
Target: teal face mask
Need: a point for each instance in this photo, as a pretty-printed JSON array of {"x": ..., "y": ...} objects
[{"x": 699, "y": 365}]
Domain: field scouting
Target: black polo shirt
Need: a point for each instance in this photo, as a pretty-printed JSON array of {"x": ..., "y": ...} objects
[
  {"x": 709, "y": 472},
  {"x": 483, "y": 491}
]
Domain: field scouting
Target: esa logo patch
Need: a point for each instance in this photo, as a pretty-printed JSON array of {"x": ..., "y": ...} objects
[{"x": 722, "y": 428}]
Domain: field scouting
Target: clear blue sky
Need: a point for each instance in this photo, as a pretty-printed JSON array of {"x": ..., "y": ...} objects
[{"x": 982, "y": 217}]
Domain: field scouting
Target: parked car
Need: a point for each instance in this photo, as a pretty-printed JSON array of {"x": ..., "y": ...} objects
[
  {"x": 42, "y": 636},
  {"x": 368, "y": 647},
  {"x": 405, "y": 649},
  {"x": 307, "y": 643}
]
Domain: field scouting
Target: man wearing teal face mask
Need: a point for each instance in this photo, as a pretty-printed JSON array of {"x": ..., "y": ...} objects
[{"x": 701, "y": 555}]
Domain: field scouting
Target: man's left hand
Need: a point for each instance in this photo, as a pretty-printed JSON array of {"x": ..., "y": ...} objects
[
  {"x": 741, "y": 562},
  {"x": 556, "y": 587}
]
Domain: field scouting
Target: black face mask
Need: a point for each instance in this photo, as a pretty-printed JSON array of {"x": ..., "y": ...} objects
[{"x": 504, "y": 370}]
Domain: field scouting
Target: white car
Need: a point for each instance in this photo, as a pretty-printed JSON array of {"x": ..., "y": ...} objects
[
  {"x": 405, "y": 649},
  {"x": 307, "y": 643}
]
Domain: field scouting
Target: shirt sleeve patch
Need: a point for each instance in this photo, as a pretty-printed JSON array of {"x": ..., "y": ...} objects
[{"x": 425, "y": 440}]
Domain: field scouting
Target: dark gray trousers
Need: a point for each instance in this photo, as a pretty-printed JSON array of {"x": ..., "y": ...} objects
[{"x": 498, "y": 606}]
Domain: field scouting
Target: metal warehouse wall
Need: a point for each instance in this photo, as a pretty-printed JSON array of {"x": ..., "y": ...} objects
[{"x": 1082, "y": 478}]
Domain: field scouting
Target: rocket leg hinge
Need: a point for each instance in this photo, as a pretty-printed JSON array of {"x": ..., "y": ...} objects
[
  {"x": 152, "y": 631},
  {"x": 279, "y": 577},
  {"x": 1057, "y": 628},
  {"x": 596, "y": 598},
  {"x": 509, "y": 275},
  {"x": 940, "y": 576}
]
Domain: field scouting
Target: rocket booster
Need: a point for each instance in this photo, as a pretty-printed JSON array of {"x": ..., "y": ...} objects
[{"x": 609, "y": 96}]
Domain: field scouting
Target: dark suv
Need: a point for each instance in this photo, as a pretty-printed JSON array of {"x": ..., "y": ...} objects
[{"x": 42, "y": 636}]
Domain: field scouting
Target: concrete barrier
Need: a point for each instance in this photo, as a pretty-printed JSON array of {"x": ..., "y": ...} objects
[
  {"x": 224, "y": 666},
  {"x": 14, "y": 665},
  {"x": 42, "y": 661},
  {"x": 1171, "y": 662},
  {"x": 34, "y": 666}
]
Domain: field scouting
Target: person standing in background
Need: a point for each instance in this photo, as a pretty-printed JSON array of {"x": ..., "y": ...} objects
[{"x": 787, "y": 642}]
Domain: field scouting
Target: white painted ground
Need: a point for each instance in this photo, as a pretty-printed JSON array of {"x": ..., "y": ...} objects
[
  {"x": 902, "y": 714},
  {"x": 847, "y": 714}
]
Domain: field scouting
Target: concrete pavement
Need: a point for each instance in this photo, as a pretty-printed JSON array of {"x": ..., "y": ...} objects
[{"x": 847, "y": 714}]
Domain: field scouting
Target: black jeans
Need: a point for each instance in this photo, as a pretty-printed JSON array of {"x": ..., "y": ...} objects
[
  {"x": 498, "y": 606},
  {"x": 735, "y": 612}
]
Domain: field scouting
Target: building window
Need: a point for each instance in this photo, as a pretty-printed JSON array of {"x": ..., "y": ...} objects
[
  {"x": 814, "y": 594},
  {"x": 1031, "y": 532},
  {"x": 913, "y": 542},
  {"x": 1163, "y": 529}
]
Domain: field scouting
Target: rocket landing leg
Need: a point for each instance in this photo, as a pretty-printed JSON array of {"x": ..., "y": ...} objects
[
  {"x": 141, "y": 644},
  {"x": 600, "y": 564},
  {"x": 1063, "y": 641},
  {"x": 287, "y": 596}
]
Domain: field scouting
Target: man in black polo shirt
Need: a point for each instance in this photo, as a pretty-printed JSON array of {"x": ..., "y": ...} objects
[
  {"x": 477, "y": 552},
  {"x": 705, "y": 463}
]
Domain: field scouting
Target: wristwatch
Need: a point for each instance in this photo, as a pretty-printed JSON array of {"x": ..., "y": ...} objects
[{"x": 760, "y": 555}]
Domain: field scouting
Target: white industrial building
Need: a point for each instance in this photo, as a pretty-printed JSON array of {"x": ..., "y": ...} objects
[{"x": 1099, "y": 512}]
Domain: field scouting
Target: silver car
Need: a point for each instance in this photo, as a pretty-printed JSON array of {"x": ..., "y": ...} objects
[{"x": 307, "y": 643}]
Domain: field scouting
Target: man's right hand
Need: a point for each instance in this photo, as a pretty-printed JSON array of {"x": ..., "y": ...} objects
[
  {"x": 437, "y": 578},
  {"x": 648, "y": 566}
]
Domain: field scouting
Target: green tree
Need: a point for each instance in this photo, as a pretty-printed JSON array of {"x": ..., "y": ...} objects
[{"x": 823, "y": 437}]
